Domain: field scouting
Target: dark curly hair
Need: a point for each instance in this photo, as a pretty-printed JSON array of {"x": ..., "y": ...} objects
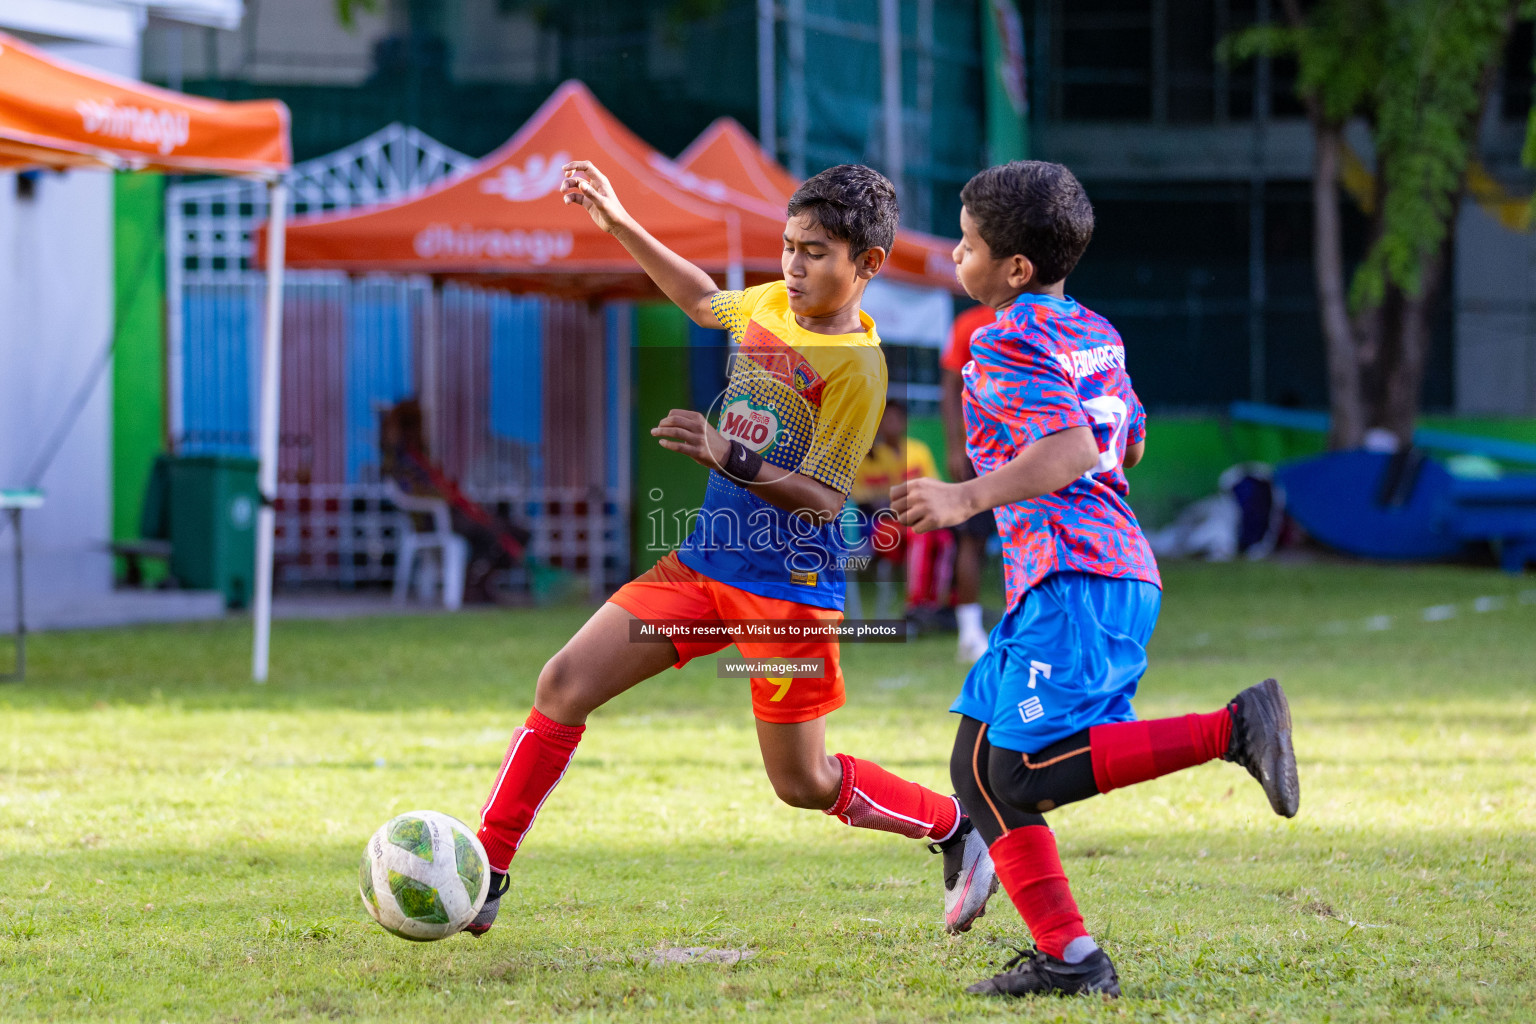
[
  {"x": 854, "y": 203},
  {"x": 1033, "y": 208}
]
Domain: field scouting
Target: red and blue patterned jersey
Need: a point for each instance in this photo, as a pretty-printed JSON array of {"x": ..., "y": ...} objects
[{"x": 1047, "y": 365}]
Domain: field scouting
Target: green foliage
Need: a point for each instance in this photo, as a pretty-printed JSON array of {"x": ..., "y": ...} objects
[
  {"x": 1337, "y": 50},
  {"x": 1414, "y": 71},
  {"x": 348, "y": 10},
  {"x": 1528, "y": 153},
  {"x": 1340, "y": 56},
  {"x": 1436, "y": 58},
  {"x": 177, "y": 844}
]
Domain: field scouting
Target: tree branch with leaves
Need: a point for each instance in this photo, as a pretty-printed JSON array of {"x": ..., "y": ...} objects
[{"x": 1417, "y": 74}]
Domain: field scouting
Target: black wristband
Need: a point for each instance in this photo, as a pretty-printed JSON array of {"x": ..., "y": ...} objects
[{"x": 743, "y": 463}]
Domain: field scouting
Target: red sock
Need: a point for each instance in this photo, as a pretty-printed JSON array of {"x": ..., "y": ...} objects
[
  {"x": 1125, "y": 753},
  {"x": 1030, "y": 869},
  {"x": 536, "y": 760},
  {"x": 872, "y": 797}
]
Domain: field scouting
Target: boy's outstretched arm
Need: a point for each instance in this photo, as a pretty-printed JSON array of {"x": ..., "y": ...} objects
[
  {"x": 685, "y": 284},
  {"x": 1044, "y": 467}
]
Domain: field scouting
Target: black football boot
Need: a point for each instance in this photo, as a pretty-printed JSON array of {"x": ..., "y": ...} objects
[
  {"x": 1261, "y": 742},
  {"x": 487, "y": 916},
  {"x": 1035, "y": 973}
]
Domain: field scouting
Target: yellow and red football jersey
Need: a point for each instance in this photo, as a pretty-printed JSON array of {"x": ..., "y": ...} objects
[{"x": 807, "y": 403}]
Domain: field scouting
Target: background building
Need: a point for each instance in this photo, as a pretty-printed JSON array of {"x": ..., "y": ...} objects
[
  {"x": 468, "y": 72},
  {"x": 1201, "y": 173}
]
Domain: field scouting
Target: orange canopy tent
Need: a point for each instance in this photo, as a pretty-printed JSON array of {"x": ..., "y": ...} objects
[
  {"x": 505, "y": 215},
  {"x": 57, "y": 114},
  {"x": 726, "y": 152}
]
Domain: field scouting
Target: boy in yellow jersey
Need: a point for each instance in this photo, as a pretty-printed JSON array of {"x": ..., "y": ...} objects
[
  {"x": 928, "y": 557},
  {"x": 806, "y": 392},
  {"x": 894, "y": 458}
]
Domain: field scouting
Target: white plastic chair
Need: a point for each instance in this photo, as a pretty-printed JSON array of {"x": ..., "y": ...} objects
[{"x": 451, "y": 550}]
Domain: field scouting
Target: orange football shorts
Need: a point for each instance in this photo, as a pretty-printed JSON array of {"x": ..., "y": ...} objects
[{"x": 672, "y": 592}]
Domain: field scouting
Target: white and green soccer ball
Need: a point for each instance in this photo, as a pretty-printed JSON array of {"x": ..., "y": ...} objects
[{"x": 424, "y": 875}]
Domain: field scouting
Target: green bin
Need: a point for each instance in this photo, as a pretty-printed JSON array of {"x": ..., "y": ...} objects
[{"x": 213, "y": 525}]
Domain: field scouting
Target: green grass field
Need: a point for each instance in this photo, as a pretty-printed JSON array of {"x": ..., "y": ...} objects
[{"x": 178, "y": 844}]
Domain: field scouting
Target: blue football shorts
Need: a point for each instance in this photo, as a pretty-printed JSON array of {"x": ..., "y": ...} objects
[{"x": 1068, "y": 656}]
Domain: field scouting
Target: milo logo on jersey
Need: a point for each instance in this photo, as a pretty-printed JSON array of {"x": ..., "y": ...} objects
[{"x": 756, "y": 426}]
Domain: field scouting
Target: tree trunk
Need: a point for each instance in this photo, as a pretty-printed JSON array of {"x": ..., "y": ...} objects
[
  {"x": 1344, "y": 399},
  {"x": 1396, "y": 405}
]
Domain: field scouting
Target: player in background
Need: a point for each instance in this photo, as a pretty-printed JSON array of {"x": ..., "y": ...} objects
[
  {"x": 895, "y": 457},
  {"x": 973, "y": 534},
  {"x": 805, "y": 394},
  {"x": 1052, "y": 422}
]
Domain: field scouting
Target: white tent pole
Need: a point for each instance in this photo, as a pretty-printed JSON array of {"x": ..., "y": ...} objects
[
  {"x": 735, "y": 273},
  {"x": 271, "y": 383}
]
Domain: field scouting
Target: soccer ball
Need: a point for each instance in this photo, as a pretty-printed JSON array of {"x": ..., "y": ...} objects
[{"x": 424, "y": 876}]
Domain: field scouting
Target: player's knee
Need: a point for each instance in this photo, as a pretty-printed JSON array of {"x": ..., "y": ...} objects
[
  {"x": 552, "y": 677},
  {"x": 799, "y": 792},
  {"x": 559, "y": 689},
  {"x": 811, "y": 790},
  {"x": 1018, "y": 786}
]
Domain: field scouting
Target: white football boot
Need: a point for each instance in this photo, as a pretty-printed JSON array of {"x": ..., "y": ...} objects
[{"x": 969, "y": 879}]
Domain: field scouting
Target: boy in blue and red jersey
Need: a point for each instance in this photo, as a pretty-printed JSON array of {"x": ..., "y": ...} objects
[
  {"x": 806, "y": 392},
  {"x": 1051, "y": 425}
]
